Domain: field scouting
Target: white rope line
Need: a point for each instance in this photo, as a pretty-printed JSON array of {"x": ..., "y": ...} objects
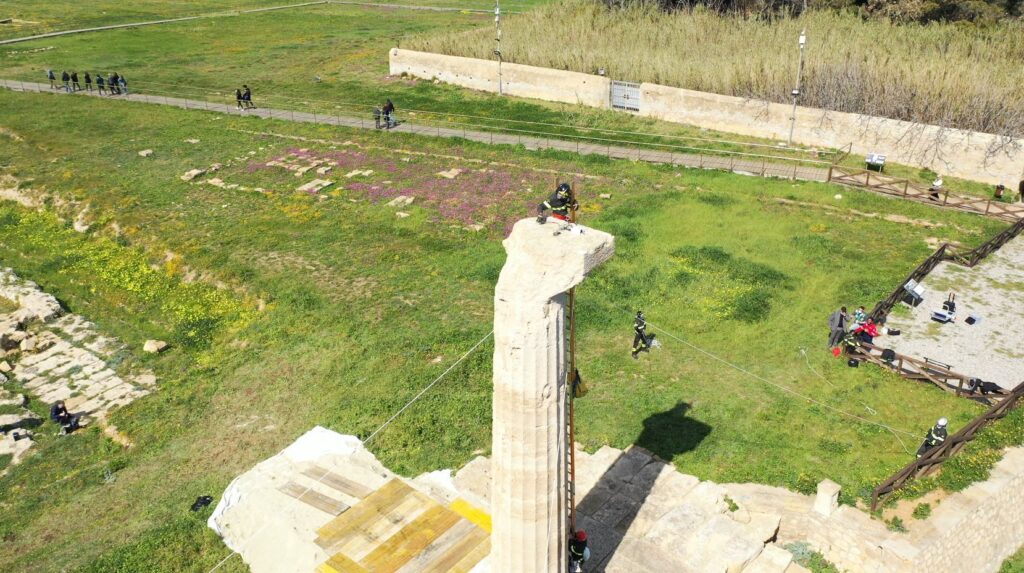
[
  {"x": 429, "y": 386},
  {"x": 366, "y": 441},
  {"x": 783, "y": 388},
  {"x": 870, "y": 410}
]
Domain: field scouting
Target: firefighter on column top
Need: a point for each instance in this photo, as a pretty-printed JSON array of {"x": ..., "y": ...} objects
[{"x": 562, "y": 203}]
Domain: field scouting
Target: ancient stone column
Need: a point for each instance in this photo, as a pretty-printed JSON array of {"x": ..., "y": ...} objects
[{"x": 528, "y": 491}]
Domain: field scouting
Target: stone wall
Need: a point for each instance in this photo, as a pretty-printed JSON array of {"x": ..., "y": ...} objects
[
  {"x": 947, "y": 151},
  {"x": 516, "y": 80},
  {"x": 977, "y": 529},
  {"x": 974, "y": 530}
]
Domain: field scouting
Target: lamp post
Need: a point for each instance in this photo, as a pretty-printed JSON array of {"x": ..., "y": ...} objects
[
  {"x": 796, "y": 90},
  {"x": 497, "y": 40}
]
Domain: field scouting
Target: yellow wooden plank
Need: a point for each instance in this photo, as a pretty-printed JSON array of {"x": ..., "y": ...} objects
[
  {"x": 368, "y": 535},
  {"x": 476, "y": 555},
  {"x": 472, "y": 513},
  {"x": 454, "y": 556},
  {"x": 339, "y": 563},
  {"x": 389, "y": 556},
  {"x": 316, "y": 499},
  {"x": 337, "y": 481},
  {"x": 388, "y": 496}
]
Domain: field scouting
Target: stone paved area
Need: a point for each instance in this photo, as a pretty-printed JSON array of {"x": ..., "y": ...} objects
[
  {"x": 990, "y": 349},
  {"x": 54, "y": 357}
]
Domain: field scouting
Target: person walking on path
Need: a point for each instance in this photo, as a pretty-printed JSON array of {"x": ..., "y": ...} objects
[
  {"x": 112, "y": 82},
  {"x": 837, "y": 322},
  {"x": 66, "y": 79},
  {"x": 100, "y": 83},
  {"x": 376, "y": 117},
  {"x": 247, "y": 97},
  {"x": 88, "y": 82},
  {"x": 75, "y": 86},
  {"x": 238, "y": 99},
  {"x": 934, "y": 438},
  {"x": 389, "y": 114},
  {"x": 123, "y": 83},
  {"x": 53, "y": 79}
]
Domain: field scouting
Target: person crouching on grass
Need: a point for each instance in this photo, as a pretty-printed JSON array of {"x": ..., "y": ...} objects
[{"x": 68, "y": 422}]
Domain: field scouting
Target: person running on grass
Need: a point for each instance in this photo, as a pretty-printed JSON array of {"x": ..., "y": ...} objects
[{"x": 640, "y": 340}]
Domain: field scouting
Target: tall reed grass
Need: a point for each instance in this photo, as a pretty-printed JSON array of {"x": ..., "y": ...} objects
[{"x": 944, "y": 74}]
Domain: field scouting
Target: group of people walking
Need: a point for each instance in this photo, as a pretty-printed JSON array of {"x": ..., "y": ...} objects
[
  {"x": 115, "y": 84},
  {"x": 243, "y": 98},
  {"x": 387, "y": 113}
]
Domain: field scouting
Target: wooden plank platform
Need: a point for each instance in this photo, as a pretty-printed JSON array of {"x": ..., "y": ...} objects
[
  {"x": 401, "y": 547},
  {"x": 314, "y": 498},
  {"x": 338, "y": 563},
  {"x": 337, "y": 481},
  {"x": 375, "y": 519},
  {"x": 398, "y": 529},
  {"x": 464, "y": 555}
]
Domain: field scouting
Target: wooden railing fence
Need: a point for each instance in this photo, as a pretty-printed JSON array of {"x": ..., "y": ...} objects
[
  {"x": 925, "y": 371},
  {"x": 947, "y": 252},
  {"x": 912, "y": 191},
  {"x": 933, "y": 459}
]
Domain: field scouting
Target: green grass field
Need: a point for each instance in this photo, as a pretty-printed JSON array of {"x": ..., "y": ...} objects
[
  {"x": 42, "y": 17},
  {"x": 347, "y": 46},
  {"x": 339, "y": 309}
]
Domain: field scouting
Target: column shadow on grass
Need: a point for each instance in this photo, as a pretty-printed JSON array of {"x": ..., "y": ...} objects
[{"x": 610, "y": 507}]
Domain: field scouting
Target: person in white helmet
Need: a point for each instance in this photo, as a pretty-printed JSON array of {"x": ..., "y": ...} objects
[
  {"x": 935, "y": 437},
  {"x": 935, "y": 189}
]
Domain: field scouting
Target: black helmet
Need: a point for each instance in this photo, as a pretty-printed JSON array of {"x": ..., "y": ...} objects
[
  {"x": 639, "y": 314},
  {"x": 564, "y": 188}
]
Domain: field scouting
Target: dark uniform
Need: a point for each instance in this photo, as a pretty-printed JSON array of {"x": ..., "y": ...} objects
[
  {"x": 640, "y": 328},
  {"x": 577, "y": 550},
  {"x": 561, "y": 203},
  {"x": 935, "y": 438}
]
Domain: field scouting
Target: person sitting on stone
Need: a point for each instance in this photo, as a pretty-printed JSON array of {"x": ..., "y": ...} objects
[
  {"x": 578, "y": 551},
  {"x": 934, "y": 438},
  {"x": 59, "y": 413}
]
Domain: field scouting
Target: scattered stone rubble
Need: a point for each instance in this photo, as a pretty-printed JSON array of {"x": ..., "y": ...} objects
[
  {"x": 401, "y": 201},
  {"x": 57, "y": 357},
  {"x": 315, "y": 186}
]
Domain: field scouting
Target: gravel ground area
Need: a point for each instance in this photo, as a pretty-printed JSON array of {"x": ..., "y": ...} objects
[{"x": 991, "y": 349}]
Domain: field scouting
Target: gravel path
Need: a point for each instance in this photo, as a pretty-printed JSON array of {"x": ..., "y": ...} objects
[{"x": 993, "y": 348}]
